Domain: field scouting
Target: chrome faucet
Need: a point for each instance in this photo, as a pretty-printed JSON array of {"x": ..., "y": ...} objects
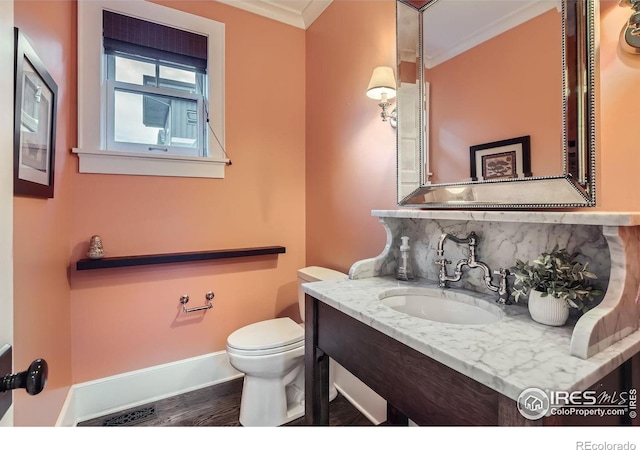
[{"x": 471, "y": 240}]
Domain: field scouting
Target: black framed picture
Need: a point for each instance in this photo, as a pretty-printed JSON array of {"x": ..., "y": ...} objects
[
  {"x": 509, "y": 158},
  {"x": 34, "y": 123}
]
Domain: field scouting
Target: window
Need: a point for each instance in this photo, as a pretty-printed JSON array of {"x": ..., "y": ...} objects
[
  {"x": 150, "y": 91},
  {"x": 156, "y": 77}
]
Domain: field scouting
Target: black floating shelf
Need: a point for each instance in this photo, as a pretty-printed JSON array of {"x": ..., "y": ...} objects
[{"x": 165, "y": 258}]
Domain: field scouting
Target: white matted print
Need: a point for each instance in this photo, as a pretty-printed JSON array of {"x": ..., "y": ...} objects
[{"x": 510, "y": 158}]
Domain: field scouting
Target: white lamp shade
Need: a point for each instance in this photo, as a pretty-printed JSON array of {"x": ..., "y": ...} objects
[{"x": 383, "y": 81}]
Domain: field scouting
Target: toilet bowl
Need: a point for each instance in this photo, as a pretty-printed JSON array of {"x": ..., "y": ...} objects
[{"x": 270, "y": 353}]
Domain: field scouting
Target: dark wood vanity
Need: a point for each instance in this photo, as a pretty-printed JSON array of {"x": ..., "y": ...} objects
[{"x": 417, "y": 387}]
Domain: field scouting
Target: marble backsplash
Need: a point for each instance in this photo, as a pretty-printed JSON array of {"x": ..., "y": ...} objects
[{"x": 499, "y": 245}]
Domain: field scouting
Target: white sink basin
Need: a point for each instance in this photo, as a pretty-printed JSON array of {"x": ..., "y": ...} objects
[{"x": 442, "y": 305}]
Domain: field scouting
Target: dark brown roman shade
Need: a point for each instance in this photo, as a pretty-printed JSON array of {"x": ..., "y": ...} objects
[{"x": 124, "y": 34}]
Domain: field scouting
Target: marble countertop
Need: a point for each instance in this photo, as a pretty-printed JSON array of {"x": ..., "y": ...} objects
[{"x": 509, "y": 356}]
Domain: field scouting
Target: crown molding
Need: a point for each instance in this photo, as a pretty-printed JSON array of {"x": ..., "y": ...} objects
[
  {"x": 489, "y": 20},
  {"x": 297, "y": 13}
]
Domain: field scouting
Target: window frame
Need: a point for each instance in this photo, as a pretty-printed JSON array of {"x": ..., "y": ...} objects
[{"x": 95, "y": 154}]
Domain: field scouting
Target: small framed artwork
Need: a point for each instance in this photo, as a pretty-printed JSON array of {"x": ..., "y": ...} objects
[
  {"x": 34, "y": 123},
  {"x": 510, "y": 158}
]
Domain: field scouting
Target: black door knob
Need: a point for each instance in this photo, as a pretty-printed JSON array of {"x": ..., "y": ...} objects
[{"x": 32, "y": 380}]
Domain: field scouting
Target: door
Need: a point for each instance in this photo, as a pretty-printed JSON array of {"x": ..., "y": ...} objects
[{"x": 6, "y": 182}]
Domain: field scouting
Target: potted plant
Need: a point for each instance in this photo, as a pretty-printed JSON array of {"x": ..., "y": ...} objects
[{"x": 555, "y": 282}]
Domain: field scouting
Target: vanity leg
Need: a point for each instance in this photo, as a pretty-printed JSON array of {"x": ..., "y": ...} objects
[
  {"x": 395, "y": 417},
  {"x": 316, "y": 368}
]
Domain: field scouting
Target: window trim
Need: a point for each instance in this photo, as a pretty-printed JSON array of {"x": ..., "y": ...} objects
[
  {"x": 92, "y": 94},
  {"x": 127, "y": 163}
]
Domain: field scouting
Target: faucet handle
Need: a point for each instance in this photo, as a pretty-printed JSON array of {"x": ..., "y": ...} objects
[
  {"x": 442, "y": 261},
  {"x": 503, "y": 287}
]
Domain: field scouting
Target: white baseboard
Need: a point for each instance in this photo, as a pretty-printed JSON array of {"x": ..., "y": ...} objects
[
  {"x": 104, "y": 396},
  {"x": 361, "y": 396},
  {"x": 107, "y": 395}
]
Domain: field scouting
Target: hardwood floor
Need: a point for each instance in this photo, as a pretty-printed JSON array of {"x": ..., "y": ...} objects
[{"x": 217, "y": 405}]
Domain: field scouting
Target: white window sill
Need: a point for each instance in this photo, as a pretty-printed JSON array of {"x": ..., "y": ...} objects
[{"x": 122, "y": 163}]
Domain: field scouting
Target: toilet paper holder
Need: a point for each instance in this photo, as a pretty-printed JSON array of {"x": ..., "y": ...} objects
[{"x": 208, "y": 298}]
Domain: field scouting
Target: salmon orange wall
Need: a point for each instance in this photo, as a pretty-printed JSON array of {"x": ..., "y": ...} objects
[
  {"x": 351, "y": 152},
  {"x": 42, "y": 228},
  {"x": 618, "y": 156},
  {"x": 507, "y": 87},
  {"x": 131, "y": 318},
  {"x": 126, "y": 319}
]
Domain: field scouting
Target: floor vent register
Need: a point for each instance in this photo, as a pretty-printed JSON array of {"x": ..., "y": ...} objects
[{"x": 131, "y": 417}]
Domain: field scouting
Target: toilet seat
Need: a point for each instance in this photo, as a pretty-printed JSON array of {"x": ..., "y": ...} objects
[{"x": 266, "y": 337}]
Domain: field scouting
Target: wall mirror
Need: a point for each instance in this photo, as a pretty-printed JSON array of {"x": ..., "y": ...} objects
[{"x": 495, "y": 103}]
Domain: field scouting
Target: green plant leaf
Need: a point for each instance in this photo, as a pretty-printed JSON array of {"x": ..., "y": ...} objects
[
  {"x": 556, "y": 274},
  {"x": 572, "y": 304}
]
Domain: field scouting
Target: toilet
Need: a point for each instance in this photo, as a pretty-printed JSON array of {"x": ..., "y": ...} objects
[{"x": 271, "y": 356}]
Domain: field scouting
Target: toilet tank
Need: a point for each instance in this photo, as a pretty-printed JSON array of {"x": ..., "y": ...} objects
[{"x": 314, "y": 273}]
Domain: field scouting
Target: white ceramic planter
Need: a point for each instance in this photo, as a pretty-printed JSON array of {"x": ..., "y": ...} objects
[{"x": 548, "y": 310}]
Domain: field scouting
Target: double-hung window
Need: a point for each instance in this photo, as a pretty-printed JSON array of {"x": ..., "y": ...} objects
[
  {"x": 156, "y": 78},
  {"x": 150, "y": 91}
]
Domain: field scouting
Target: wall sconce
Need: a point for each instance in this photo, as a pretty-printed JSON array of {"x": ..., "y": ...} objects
[
  {"x": 382, "y": 87},
  {"x": 630, "y": 34}
]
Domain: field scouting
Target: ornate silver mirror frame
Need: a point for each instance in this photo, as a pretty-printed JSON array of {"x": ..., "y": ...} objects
[{"x": 567, "y": 189}]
